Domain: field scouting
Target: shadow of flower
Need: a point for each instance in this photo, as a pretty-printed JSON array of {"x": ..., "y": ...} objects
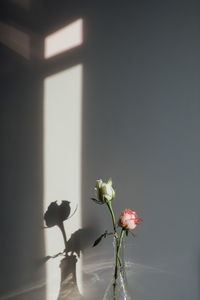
[{"x": 55, "y": 216}]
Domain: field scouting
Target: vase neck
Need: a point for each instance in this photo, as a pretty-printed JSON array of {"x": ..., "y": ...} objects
[{"x": 122, "y": 254}]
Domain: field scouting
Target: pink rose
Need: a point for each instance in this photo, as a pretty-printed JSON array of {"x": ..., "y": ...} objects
[{"x": 128, "y": 219}]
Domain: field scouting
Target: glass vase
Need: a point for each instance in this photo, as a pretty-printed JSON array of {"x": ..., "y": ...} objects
[{"x": 117, "y": 288}]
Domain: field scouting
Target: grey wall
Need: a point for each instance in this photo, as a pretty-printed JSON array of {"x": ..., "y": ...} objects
[
  {"x": 22, "y": 244},
  {"x": 142, "y": 128},
  {"x": 141, "y": 120}
]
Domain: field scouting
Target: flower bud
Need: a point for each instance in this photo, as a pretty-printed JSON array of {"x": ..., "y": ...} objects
[
  {"x": 104, "y": 191},
  {"x": 128, "y": 219}
]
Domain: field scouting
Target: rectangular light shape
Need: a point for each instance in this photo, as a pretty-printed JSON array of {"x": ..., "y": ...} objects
[
  {"x": 64, "y": 39},
  {"x": 62, "y": 162}
]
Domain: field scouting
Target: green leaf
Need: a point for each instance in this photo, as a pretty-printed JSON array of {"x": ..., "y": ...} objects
[
  {"x": 98, "y": 240},
  {"x": 104, "y": 235},
  {"x": 97, "y": 201},
  {"x": 127, "y": 232}
]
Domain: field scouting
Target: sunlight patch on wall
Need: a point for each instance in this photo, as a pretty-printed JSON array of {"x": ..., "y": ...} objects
[
  {"x": 15, "y": 39},
  {"x": 64, "y": 39},
  {"x": 62, "y": 162}
]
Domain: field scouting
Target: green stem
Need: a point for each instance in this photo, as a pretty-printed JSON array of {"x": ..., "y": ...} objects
[
  {"x": 112, "y": 214},
  {"x": 116, "y": 262},
  {"x": 118, "y": 242},
  {"x": 117, "y": 245}
]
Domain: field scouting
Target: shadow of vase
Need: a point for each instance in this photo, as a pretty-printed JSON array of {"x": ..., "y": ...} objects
[{"x": 68, "y": 286}]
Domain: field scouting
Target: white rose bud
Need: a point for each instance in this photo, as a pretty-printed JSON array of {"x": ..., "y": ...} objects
[{"x": 104, "y": 191}]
